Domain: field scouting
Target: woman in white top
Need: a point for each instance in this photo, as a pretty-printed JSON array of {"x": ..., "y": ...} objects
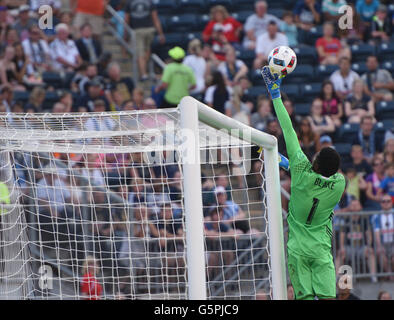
[
  {"x": 233, "y": 69},
  {"x": 197, "y": 63}
]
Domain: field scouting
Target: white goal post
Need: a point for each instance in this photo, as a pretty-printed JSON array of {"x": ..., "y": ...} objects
[
  {"x": 193, "y": 111},
  {"x": 148, "y": 204}
]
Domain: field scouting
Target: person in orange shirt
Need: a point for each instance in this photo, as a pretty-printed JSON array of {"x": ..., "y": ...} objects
[
  {"x": 91, "y": 288},
  {"x": 89, "y": 11}
]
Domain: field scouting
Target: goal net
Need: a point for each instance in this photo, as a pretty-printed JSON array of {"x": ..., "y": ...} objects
[{"x": 110, "y": 206}]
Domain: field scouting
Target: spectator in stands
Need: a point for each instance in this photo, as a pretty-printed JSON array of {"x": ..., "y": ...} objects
[
  {"x": 388, "y": 152},
  {"x": 177, "y": 79},
  {"x": 358, "y": 104},
  {"x": 197, "y": 63},
  {"x": 66, "y": 17},
  {"x": 367, "y": 138},
  {"x": 36, "y": 100},
  {"x": 257, "y": 24},
  {"x": 266, "y": 42},
  {"x": 66, "y": 98},
  {"x": 381, "y": 26},
  {"x": 358, "y": 161},
  {"x": 231, "y": 27},
  {"x": 6, "y": 21},
  {"x": 273, "y": 128},
  {"x": 367, "y": 9},
  {"x": 345, "y": 293},
  {"x": 142, "y": 16},
  {"x": 209, "y": 195},
  {"x": 384, "y": 295},
  {"x": 356, "y": 241},
  {"x": 24, "y": 22},
  {"x": 289, "y": 28},
  {"x": 379, "y": 83},
  {"x": 89, "y": 48},
  {"x": 373, "y": 181},
  {"x": 94, "y": 93},
  {"x": 21, "y": 62},
  {"x": 137, "y": 96},
  {"x": 58, "y": 107},
  {"x": 64, "y": 52},
  {"x": 115, "y": 81},
  {"x": 295, "y": 119},
  {"x": 99, "y": 123},
  {"x": 91, "y": 288},
  {"x": 90, "y": 74},
  {"x": 214, "y": 230},
  {"x": 7, "y": 97},
  {"x": 89, "y": 11},
  {"x": 218, "y": 42},
  {"x": 211, "y": 60},
  {"x": 332, "y": 105},
  {"x": 344, "y": 78},
  {"x": 330, "y": 9},
  {"x": 307, "y": 15},
  {"x": 290, "y": 292},
  {"x": 328, "y": 46},
  {"x": 237, "y": 109},
  {"x": 37, "y": 50},
  {"x": 320, "y": 123},
  {"x": 218, "y": 93},
  {"x": 387, "y": 184},
  {"x": 309, "y": 140},
  {"x": 8, "y": 71},
  {"x": 11, "y": 38},
  {"x": 326, "y": 142},
  {"x": 356, "y": 184},
  {"x": 383, "y": 227},
  {"x": 356, "y": 33},
  {"x": 233, "y": 215},
  {"x": 232, "y": 69}
]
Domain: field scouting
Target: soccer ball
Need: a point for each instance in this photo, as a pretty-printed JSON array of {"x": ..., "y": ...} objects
[{"x": 282, "y": 61}]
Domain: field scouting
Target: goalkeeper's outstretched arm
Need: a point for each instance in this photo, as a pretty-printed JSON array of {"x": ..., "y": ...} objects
[{"x": 291, "y": 139}]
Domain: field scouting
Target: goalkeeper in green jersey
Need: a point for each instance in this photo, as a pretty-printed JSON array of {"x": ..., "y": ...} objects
[{"x": 315, "y": 190}]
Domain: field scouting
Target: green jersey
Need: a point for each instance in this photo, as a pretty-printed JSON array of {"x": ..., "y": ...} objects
[
  {"x": 179, "y": 78},
  {"x": 313, "y": 197}
]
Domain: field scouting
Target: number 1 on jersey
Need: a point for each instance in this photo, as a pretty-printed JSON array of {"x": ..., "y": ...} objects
[{"x": 313, "y": 210}]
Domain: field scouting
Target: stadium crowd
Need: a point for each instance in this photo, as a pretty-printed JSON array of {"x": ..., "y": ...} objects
[{"x": 341, "y": 94}]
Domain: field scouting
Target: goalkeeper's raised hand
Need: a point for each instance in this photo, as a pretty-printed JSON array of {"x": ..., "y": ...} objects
[{"x": 272, "y": 82}]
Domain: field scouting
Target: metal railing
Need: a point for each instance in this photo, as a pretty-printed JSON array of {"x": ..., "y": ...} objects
[{"x": 129, "y": 47}]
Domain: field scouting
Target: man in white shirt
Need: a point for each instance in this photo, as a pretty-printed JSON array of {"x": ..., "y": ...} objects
[
  {"x": 344, "y": 78},
  {"x": 257, "y": 24},
  {"x": 37, "y": 50},
  {"x": 64, "y": 52},
  {"x": 268, "y": 41},
  {"x": 99, "y": 123}
]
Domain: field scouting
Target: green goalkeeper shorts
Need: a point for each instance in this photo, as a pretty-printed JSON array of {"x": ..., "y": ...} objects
[{"x": 311, "y": 277}]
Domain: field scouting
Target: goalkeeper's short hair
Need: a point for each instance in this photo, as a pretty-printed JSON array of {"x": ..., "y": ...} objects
[{"x": 328, "y": 161}]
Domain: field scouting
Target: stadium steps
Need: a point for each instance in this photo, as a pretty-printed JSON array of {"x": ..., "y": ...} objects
[{"x": 111, "y": 44}]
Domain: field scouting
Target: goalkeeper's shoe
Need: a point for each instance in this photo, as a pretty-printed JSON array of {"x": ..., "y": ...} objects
[{"x": 272, "y": 81}]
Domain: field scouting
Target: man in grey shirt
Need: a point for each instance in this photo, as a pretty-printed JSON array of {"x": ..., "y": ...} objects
[
  {"x": 257, "y": 24},
  {"x": 379, "y": 83}
]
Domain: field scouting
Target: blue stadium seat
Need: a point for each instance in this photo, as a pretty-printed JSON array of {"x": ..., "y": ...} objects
[
  {"x": 360, "y": 67},
  {"x": 343, "y": 149},
  {"x": 314, "y": 34},
  {"x": 291, "y": 90},
  {"x": 165, "y": 6},
  {"x": 361, "y": 51},
  {"x": 300, "y": 74},
  {"x": 191, "y": 6},
  {"x": 193, "y": 35},
  {"x": 202, "y": 21},
  {"x": 51, "y": 98},
  {"x": 385, "y": 110},
  {"x": 306, "y": 54},
  {"x": 241, "y": 5},
  {"x": 22, "y": 96},
  {"x": 182, "y": 23},
  {"x": 388, "y": 65},
  {"x": 256, "y": 78},
  {"x": 303, "y": 109},
  {"x": 254, "y": 92},
  {"x": 247, "y": 56},
  {"x": 172, "y": 39},
  {"x": 226, "y": 3},
  {"x": 52, "y": 79},
  {"x": 322, "y": 72},
  {"x": 241, "y": 16},
  {"x": 385, "y": 51},
  {"x": 310, "y": 91},
  {"x": 277, "y": 12},
  {"x": 347, "y": 132}
]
